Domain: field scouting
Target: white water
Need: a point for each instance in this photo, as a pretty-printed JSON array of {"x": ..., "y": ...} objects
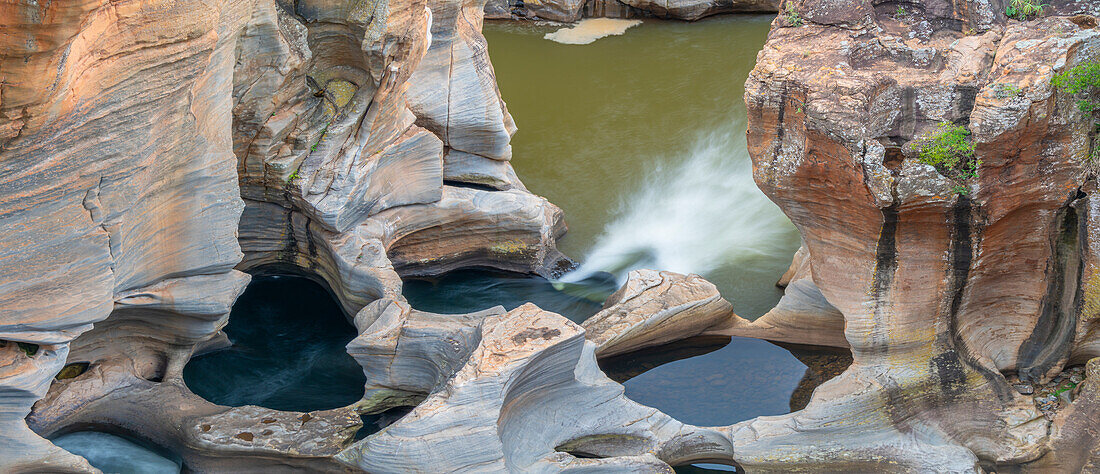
[{"x": 703, "y": 213}]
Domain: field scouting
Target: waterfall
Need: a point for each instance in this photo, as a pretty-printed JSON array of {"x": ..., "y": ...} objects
[{"x": 703, "y": 213}]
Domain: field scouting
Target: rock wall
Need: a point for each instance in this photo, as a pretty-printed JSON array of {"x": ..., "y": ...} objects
[
  {"x": 99, "y": 218},
  {"x": 151, "y": 152},
  {"x": 943, "y": 294}
]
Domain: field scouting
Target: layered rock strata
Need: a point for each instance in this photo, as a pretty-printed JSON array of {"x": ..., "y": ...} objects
[
  {"x": 134, "y": 134},
  {"x": 118, "y": 189},
  {"x": 944, "y": 286},
  {"x": 524, "y": 391}
]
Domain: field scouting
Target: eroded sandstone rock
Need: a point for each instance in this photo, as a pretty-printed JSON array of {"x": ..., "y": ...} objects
[
  {"x": 131, "y": 132},
  {"x": 655, "y": 308},
  {"x": 942, "y": 291},
  {"x": 118, "y": 187},
  {"x": 528, "y": 397}
]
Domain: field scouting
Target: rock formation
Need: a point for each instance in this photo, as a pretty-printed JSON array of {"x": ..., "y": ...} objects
[
  {"x": 152, "y": 152},
  {"x": 135, "y": 134},
  {"x": 943, "y": 291}
]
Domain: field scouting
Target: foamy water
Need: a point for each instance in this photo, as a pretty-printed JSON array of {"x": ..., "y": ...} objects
[
  {"x": 591, "y": 29},
  {"x": 704, "y": 213}
]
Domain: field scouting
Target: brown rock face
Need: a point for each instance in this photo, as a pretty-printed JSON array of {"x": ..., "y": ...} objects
[{"x": 943, "y": 285}]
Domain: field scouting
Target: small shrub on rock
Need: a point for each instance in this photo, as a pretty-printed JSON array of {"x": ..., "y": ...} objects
[
  {"x": 1082, "y": 79},
  {"x": 1083, "y": 82},
  {"x": 949, "y": 150},
  {"x": 1024, "y": 9},
  {"x": 791, "y": 15}
]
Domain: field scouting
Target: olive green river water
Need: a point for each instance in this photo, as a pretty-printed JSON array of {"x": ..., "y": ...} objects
[{"x": 639, "y": 138}]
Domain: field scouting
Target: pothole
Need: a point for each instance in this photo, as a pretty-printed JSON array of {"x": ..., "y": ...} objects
[{"x": 288, "y": 353}]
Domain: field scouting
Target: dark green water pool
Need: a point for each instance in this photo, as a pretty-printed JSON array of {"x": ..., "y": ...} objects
[{"x": 288, "y": 352}]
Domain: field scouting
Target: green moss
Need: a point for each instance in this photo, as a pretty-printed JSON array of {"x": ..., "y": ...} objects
[
  {"x": 28, "y": 348},
  {"x": 1003, "y": 90},
  {"x": 1065, "y": 388},
  {"x": 318, "y": 142},
  {"x": 72, "y": 370}
]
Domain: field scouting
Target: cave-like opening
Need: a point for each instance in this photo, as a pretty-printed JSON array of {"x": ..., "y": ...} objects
[{"x": 289, "y": 336}]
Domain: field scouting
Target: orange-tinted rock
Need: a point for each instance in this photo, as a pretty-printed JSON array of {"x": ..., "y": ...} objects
[{"x": 941, "y": 292}]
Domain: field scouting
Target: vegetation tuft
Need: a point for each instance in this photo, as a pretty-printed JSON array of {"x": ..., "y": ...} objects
[
  {"x": 293, "y": 177},
  {"x": 1025, "y": 9},
  {"x": 791, "y": 15},
  {"x": 1083, "y": 82},
  {"x": 1003, "y": 90},
  {"x": 950, "y": 151},
  {"x": 1082, "y": 79},
  {"x": 324, "y": 132}
]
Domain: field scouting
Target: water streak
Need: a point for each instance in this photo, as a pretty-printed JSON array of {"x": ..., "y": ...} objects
[{"x": 704, "y": 214}]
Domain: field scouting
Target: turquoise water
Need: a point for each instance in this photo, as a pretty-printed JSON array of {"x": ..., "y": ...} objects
[{"x": 117, "y": 455}]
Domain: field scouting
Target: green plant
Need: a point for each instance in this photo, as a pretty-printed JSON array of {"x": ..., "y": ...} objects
[
  {"x": 950, "y": 151},
  {"x": 324, "y": 131},
  {"x": 1024, "y": 9},
  {"x": 1083, "y": 82},
  {"x": 1002, "y": 90},
  {"x": 293, "y": 177},
  {"x": 791, "y": 15},
  {"x": 1065, "y": 388},
  {"x": 1083, "y": 78},
  {"x": 901, "y": 11}
]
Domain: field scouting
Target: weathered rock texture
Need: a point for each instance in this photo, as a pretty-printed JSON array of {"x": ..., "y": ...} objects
[
  {"x": 365, "y": 141},
  {"x": 656, "y": 308},
  {"x": 573, "y": 10},
  {"x": 117, "y": 187},
  {"x": 941, "y": 293},
  {"x": 134, "y": 134},
  {"x": 521, "y": 392},
  {"x": 802, "y": 316}
]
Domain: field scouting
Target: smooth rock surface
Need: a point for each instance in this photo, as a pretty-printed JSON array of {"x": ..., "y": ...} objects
[{"x": 656, "y": 308}]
